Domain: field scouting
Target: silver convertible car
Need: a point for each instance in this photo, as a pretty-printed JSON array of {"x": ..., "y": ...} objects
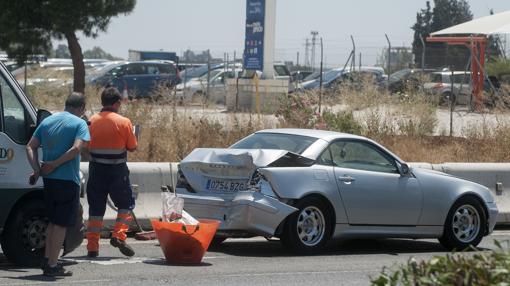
[{"x": 308, "y": 186}]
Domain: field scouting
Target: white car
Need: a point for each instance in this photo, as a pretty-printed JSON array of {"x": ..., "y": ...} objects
[
  {"x": 196, "y": 89},
  {"x": 440, "y": 85}
]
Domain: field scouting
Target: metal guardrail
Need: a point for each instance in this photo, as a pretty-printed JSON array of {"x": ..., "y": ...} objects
[{"x": 149, "y": 177}]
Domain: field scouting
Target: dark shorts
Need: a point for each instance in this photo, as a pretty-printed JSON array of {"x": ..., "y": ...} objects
[{"x": 62, "y": 199}]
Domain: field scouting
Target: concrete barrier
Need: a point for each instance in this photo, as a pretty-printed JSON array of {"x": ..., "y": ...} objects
[{"x": 149, "y": 177}]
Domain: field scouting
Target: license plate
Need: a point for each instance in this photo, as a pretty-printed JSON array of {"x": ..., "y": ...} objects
[{"x": 225, "y": 185}]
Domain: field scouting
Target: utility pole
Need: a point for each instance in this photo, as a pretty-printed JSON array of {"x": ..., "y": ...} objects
[
  {"x": 353, "y": 63},
  {"x": 423, "y": 47},
  {"x": 389, "y": 56},
  {"x": 307, "y": 58},
  {"x": 208, "y": 73},
  {"x": 320, "y": 72},
  {"x": 297, "y": 59},
  {"x": 314, "y": 39}
]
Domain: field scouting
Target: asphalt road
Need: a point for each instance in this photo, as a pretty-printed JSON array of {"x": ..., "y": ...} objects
[{"x": 238, "y": 262}]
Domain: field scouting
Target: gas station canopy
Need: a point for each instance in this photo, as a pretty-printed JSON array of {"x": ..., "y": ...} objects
[{"x": 488, "y": 25}]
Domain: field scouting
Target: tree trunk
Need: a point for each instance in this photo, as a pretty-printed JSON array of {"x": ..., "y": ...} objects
[{"x": 77, "y": 57}]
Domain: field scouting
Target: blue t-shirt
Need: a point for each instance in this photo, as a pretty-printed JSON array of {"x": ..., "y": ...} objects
[{"x": 57, "y": 134}]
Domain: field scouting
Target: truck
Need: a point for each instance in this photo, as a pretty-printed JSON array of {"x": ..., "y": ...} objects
[
  {"x": 152, "y": 55},
  {"x": 23, "y": 217}
]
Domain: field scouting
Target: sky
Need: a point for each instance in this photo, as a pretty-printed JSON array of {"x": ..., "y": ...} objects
[{"x": 198, "y": 25}]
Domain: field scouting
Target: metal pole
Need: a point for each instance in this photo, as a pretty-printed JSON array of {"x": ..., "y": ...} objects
[
  {"x": 451, "y": 104},
  {"x": 422, "y": 53},
  {"x": 353, "y": 63},
  {"x": 297, "y": 59},
  {"x": 389, "y": 58},
  {"x": 208, "y": 73},
  {"x": 320, "y": 80},
  {"x": 186, "y": 71}
]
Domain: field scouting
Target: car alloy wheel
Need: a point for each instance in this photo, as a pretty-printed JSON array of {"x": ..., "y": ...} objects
[
  {"x": 308, "y": 230},
  {"x": 311, "y": 226},
  {"x": 466, "y": 223}
]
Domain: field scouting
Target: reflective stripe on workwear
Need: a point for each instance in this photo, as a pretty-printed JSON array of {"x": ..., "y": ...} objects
[
  {"x": 94, "y": 227},
  {"x": 108, "y": 156},
  {"x": 124, "y": 218}
]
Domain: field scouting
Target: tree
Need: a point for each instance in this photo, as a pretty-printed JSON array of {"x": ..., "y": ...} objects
[
  {"x": 63, "y": 19},
  {"x": 98, "y": 53},
  {"x": 62, "y": 52},
  {"x": 22, "y": 33},
  {"x": 446, "y": 13}
]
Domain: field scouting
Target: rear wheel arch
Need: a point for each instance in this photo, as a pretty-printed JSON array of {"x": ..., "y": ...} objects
[
  {"x": 310, "y": 228},
  {"x": 331, "y": 209}
]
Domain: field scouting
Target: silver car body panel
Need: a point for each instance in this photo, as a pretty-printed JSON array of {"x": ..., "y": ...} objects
[{"x": 375, "y": 204}]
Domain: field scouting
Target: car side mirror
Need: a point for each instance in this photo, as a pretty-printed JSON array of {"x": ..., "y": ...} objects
[
  {"x": 404, "y": 169},
  {"x": 41, "y": 115}
]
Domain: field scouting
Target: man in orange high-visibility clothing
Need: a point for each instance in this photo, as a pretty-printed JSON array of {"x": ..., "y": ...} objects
[{"x": 111, "y": 138}]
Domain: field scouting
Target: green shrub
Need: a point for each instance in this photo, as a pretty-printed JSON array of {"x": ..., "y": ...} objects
[
  {"x": 480, "y": 269},
  {"x": 341, "y": 122}
]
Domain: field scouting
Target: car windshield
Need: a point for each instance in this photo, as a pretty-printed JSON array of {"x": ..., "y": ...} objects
[
  {"x": 213, "y": 73},
  {"x": 293, "y": 143},
  {"x": 396, "y": 76},
  {"x": 314, "y": 75}
]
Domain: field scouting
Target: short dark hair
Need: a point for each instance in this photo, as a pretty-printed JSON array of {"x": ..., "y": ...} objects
[
  {"x": 110, "y": 96},
  {"x": 75, "y": 100}
]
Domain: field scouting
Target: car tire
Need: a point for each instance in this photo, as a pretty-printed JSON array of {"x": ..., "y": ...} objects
[
  {"x": 308, "y": 230},
  {"x": 444, "y": 99},
  {"x": 24, "y": 238},
  {"x": 465, "y": 225}
]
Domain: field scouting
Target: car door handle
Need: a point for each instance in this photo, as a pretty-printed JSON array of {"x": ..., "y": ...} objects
[{"x": 346, "y": 179}]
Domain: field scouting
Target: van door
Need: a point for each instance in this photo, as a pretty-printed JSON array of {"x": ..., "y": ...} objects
[{"x": 15, "y": 125}]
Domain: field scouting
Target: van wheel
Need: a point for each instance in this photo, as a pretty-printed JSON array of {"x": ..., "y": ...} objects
[{"x": 25, "y": 235}]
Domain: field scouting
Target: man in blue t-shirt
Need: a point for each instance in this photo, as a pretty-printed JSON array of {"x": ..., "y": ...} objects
[{"x": 61, "y": 136}]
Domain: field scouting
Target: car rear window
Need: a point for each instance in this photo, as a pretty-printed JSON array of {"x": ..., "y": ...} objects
[{"x": 293, "y": 143}]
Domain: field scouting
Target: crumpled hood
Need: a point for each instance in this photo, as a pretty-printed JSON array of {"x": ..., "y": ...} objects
[{"x": 233, "y": 164}]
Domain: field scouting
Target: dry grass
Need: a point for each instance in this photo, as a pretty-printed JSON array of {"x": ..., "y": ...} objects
[{"x": 403, "y": 124}]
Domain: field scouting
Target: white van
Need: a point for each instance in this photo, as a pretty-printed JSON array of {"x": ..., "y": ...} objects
[{"x": 23, "y": 219}]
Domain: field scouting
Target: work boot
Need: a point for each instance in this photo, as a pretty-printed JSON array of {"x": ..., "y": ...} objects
[
  {"x": 92, "y": 254},
  {"x": 123, "y": 246},
  {"x": 56, "y": 271}
]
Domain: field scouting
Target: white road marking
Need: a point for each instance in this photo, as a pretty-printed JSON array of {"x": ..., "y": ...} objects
[
  {"x": 121, "y": 260},
  {"x": 299, "y": 273},
  {"x": 501, "y": 232},
  {"x": 67, "y": 282}
]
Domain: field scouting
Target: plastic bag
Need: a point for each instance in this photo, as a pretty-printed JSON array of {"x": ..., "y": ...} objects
[{"x": 172, "y": 207}]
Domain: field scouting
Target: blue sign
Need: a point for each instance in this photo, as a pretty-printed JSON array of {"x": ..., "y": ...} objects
[{"x": 254, "y": 39}]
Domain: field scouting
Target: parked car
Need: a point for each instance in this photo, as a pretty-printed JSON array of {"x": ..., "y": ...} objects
[
  {"x": 355, "y": 78},
  {"x": 308, "y": 186},
  {"x": 195, "y": 72},
  {"x": 440, "y": 85},
  {"x": 139, "y": 79},
  {"x": 408, "y": 80},
  {"x": 195, "y": 90}
]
